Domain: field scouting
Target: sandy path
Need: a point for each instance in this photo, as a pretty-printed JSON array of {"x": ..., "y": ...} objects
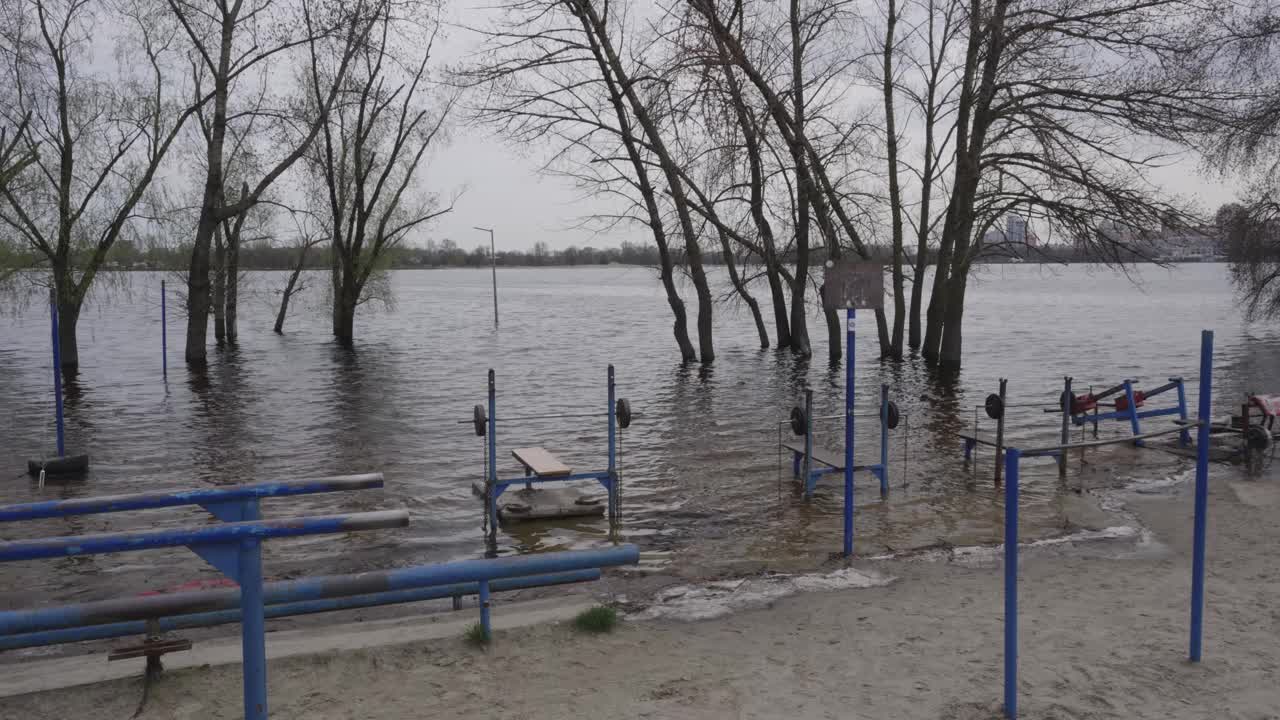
[{"x": 1104, "y": 635}]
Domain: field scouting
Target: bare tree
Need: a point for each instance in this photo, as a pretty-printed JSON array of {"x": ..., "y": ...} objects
[
  {"x": 371, "y": 150},
  {"x": 226, "y": 41},
  {"x": 1059, "y": 107},
  {"x": 309, "y": 235},
  {"x": 101, "y": 139},
  {"x": 14, "y": 158},
  {"x": 548, "y": 79}
]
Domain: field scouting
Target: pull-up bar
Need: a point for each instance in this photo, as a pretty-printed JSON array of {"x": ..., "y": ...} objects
[{"x": 1013, "y": 457}]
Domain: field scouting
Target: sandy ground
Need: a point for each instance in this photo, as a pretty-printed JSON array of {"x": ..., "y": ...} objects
[{"x": 1104, "y": 635}]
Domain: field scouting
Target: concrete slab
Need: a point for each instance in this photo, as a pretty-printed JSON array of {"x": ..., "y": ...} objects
[{"x": 41, "y": 675}]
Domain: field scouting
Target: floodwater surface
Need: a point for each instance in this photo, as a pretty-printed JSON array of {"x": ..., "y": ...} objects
[{"x": 705, "y": 489}]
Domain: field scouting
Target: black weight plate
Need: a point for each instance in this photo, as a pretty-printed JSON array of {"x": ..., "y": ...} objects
[
  {"x": 891, "y": 416},
  {"x": 799, "y": 423},
  {"x": 622, "y": 409},
  {"x": 479, "y": 419},
  {"x": 994, "y": 406},
  {"x": 1257, "y": 438}
]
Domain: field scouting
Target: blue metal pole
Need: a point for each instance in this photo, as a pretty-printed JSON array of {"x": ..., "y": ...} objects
[
  {"x": 1011, "y": 458},
  {"x": 484, "y": 609},
  {"x": 164, "y": 332},
  {"x": 1134, "y": 424},
  {"x": 884, "y": 439},
  {"x": 56, "y": 632},
  {"x": 253, "y": 630},
  {"x": 490, "y": 498},
  {"x": 1184, "y": 438},
  {"x": 850, "y": 316},
  {"x": 57, "y": 370},
  {"x": 1202, "y": 492},
  {"x": 613, "y": 452},
  {"x": 808, "y": 442}
]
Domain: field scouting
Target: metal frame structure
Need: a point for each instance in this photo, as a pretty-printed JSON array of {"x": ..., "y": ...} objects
[
  {"x": 495, "y": 486},
  {"x": 803, "y": 466},
  {"x": 234, "y": 548},
  {"x": 1013, "y": 458}
]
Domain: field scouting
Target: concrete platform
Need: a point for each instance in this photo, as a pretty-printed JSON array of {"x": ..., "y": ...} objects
[
  {"x": 34, "y": 675},
  {"x": 543, "y": 503}
]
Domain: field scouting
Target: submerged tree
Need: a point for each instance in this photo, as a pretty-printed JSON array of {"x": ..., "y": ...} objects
[
  {"x": 371, "y": 151},
  {"x": 92, "y": 142},
  {"x": 226, "y": 42}
]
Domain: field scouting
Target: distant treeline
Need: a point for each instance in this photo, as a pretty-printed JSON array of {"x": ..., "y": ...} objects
[{"x": 263, "y": 256}]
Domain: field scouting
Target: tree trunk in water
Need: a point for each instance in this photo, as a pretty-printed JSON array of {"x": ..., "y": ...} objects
[
  {"x": 233, "y": 285},
  {"x": 681, "y": 326},
  {"x": 198, "y": 292},
  {"x": 741, "y": 288},
  {"x": 917, "y": 297},
  {"x": 949, "y": 357},
  {"x": 882, "y": 333},
  {"x": 799, "y": 319},
  {"x": 345, "y": 299},
  {"x": 284, "y": 300},
  {"x": 835, "y": 335},
  {"x": 219, "y": 289},
  {"x": 68, "y": 317},
  {"x": 778, "y": 294}
]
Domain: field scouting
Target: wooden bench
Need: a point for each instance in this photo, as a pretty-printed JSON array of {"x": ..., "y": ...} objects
[
  {"x": 819, "y": 455},
  {"x": 537, "y": 461}
]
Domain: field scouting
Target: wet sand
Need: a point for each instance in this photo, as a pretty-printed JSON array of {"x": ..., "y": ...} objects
[{"x": 1104, "y": 635}]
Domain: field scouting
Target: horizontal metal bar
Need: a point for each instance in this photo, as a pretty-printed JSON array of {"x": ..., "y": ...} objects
[
  {"x": 534, "y": 479},
  {"x": 148, "y": 501},
  {"x": 230, "y": 600},
  {"x": 1109, "y": 441},
  {"x": 314, "y": 588},
  {"x": 1173, "y": 383},
  {"x": 222, "y": 534},
  {"x": 1158, "y": 413},
  {"x": 549, "y": 416}
]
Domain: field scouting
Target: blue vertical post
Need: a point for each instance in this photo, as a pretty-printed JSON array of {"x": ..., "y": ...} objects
[
  {"x": 1184, "y": 437},
  {"x": 1011, "y": 458},
  {"x": 490, "y": 499},
  {"x": 884, "y": 439},
  {"x": 484, "y": 609},
  {"x": 164, "y": 332},
  {"x": 808, "y": 442},
  {"x": 1068, "y": 399},
  {"x": 1134, "y": 424},
  {"x": 613, "y": 452},
  {"x": 57, "y": 371},
  {"x": 1202, "y": 492},
  {"x": 850, "y": 316},
  {"x": 253, "y": 638}
]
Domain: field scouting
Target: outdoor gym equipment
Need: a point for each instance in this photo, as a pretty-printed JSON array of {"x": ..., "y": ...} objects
[
  {"x": 1013, "y": 457},
  {"x": 809, "y": 462},
  {"x": 234, "y": 547},
  {"x": 1079, "y": 410},
  {"x": 540, "y": 466}
]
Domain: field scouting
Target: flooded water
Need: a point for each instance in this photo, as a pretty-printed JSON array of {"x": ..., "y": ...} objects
[{"x": 705, "y": 488}]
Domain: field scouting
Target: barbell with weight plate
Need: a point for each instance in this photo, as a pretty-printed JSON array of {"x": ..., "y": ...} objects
[
  {"x": 798, "y": 422},
  {"x": 480, "y": 418}
]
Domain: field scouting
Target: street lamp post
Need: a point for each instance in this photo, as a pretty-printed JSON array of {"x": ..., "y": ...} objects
[{"x": 493, "y": 264}]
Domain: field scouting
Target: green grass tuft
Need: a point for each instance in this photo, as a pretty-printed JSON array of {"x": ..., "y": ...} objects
[
  {"x": 476, "y": 636},
  {"x": 599, "y": 619}
]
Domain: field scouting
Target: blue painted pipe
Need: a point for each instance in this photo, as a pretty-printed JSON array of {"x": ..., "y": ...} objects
[
  {"x": 315, "y": 588},
  {"x": 164, "y": 333},
  {"x": 1011, "y": 458},
  {"x": 223, "y": 534},
  {"x": 1202, "y": 493},
  {"x": 150, "y": 501},
  {"x": 305, "y": 607},
  {"x": 253, "y": 630},
  {"x": 850, "y": 346}
]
